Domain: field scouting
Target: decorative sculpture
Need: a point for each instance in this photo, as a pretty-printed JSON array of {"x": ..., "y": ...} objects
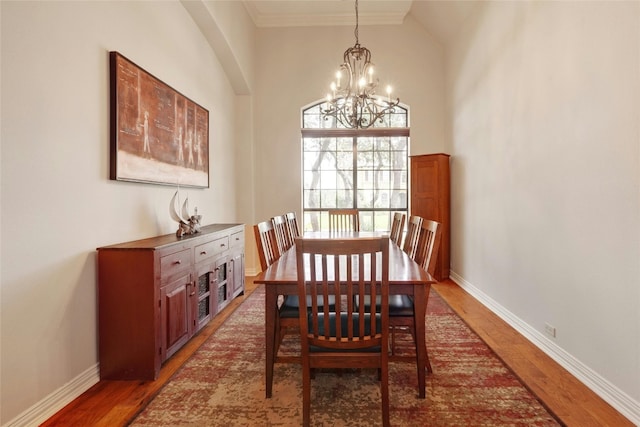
[{"x": 187, "y": 223}]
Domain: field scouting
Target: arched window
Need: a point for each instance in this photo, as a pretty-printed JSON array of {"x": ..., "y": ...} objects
[{"x": 365, "y": 169}]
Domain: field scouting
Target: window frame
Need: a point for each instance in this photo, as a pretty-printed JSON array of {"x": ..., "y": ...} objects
[{"x": 373, "y": 132}]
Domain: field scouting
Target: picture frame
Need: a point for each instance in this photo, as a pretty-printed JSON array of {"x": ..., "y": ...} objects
[{"x": 158, "y": 135}]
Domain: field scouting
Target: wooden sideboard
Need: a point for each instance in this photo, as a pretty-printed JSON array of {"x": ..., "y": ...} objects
[
  {"x": 430, "y": 199},
  {"x": 154, "y": 294}
]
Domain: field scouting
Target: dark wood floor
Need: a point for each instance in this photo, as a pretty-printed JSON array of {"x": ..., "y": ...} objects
[{"x": 115, "y": 403}]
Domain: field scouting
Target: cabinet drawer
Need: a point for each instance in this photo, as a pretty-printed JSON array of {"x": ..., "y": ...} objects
[
  {"x": 175, "y": 262},
  {"x": 204, "y": 251},
  {"x": 210, "y": 249},
  {"x": 237, "y": 239}
]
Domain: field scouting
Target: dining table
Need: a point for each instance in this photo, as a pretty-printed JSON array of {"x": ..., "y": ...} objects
[{"x": 406, "y": 277}]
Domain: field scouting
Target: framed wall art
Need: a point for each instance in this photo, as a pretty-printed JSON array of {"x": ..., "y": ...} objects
[{"x": 158, "y": 135}]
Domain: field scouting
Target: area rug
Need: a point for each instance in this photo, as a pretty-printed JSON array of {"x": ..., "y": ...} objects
[{"x": 223, "y": 383}]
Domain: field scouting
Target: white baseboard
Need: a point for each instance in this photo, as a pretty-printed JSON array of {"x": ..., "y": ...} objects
[
  {"x": 47, "y": 407},
  {"x": 603, "y": 388}
]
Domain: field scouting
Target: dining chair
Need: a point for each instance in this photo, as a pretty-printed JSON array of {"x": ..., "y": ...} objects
[
  {"x": 429, "y": 245},
  {"x": 269, "y": 252},
  {"x": 267, "y": 243},
  {"x": 282, "y": 232},
  {"x": 292, "y": 222},
  {"x": 401, "y": 307},
  {"x": 397, "y": 227},
  {"x": 413, "y": 233},
  {"x": 344, "y": 337},
  {"x": 344, "y": 220}
]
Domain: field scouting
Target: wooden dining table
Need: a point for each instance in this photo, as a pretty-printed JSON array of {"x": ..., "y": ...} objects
[{"x": 406, "y": 277}]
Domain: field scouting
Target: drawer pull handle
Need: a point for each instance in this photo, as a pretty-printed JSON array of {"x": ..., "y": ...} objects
[
  {"x": 179, "y": 261},
  {"x": 203, "y": 253},
  {"x": 222, "y": 245}
]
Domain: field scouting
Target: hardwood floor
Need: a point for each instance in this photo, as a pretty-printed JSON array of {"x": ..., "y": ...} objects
[{"x": 115, "y": 403}]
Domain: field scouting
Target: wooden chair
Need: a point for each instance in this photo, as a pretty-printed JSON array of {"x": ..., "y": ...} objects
[
  {"x": 397, "y": 227},
  {"x": 269, "y": 252},
  {"x": 282, "y": 233},
  {"x": 429, "y": 245},
  {"x": 267, "y": 243},
  {"x": 413, "y": 233},
  {"x": 292, "y": 222},
  {"x": 401, "y": 312},
  {"x": 344, "y": 337},
  {"x": 344, "y": 220}
]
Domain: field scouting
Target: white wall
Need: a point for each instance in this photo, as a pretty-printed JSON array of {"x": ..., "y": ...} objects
[
  {"x": 57, "y": 203},
  {"x": 544, "y": 105},
  {"x": 295, "y": 67}
]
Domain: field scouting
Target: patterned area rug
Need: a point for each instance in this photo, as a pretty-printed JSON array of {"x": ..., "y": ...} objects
[{"x": 223, "y": 383}]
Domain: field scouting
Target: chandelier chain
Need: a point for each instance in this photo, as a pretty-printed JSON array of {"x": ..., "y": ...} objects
[{"x": 355, "y": 32}]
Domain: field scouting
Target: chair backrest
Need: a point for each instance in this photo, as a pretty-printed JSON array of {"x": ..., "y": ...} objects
[
  {"x": 428, "y": 244},
  {"x": 344, "y": 220},
  {"x": 413, "y": 233},
  {"x": 397, "y": 227},
  {"x": 267, "y": 243},
  {"x": 363, "y": 267},
  {"x": 292, "y": 221},
  {"x": 282, "y": 233}
]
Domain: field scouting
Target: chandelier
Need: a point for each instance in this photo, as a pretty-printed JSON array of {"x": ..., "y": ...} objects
[{"x": 352, "y": 101}]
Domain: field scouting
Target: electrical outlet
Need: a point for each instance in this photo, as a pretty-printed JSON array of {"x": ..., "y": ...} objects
[{"x": 550, "y": 330}]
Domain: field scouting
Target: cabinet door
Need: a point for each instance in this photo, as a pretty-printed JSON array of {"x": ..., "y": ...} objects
[
  {"x": 223, "y": 274},
  {"x": 174, "y": 305},
  {"x": 204, "y": 304},
  {"x": 237, "y": 277}
]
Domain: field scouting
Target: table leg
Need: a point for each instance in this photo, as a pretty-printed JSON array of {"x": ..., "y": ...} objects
[
  {"x": 420, "y": 308},
  {"x": 270, "y": 303}
]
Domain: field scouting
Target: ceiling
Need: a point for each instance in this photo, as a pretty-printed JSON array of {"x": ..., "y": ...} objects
[{"x": 441, "y": 18}]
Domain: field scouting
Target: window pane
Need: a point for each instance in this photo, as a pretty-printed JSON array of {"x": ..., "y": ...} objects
[
  {"x": 365, "y": 199},
  {"x": 345, "y": 199},
  {"x": 398, "y": 200},
  {"x": 328, "y": 199},
  {"x": 382, "y": 199},
  {"x": 382, "y": 221},
  {"x": 365, "y": 159},
  {"x": 366, "y": 220}
]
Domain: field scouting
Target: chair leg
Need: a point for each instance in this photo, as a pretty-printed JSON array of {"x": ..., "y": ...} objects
[
  {"x": 384, "y": 388},
  {"x": 393, "y": 340},
  {"x": 306, "y": 394}
]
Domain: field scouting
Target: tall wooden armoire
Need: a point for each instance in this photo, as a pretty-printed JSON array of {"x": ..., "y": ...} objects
[{"x": 430, "y": 199}]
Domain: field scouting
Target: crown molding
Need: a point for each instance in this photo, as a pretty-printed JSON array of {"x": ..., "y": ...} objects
[{"x": 325, "y": 13}]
